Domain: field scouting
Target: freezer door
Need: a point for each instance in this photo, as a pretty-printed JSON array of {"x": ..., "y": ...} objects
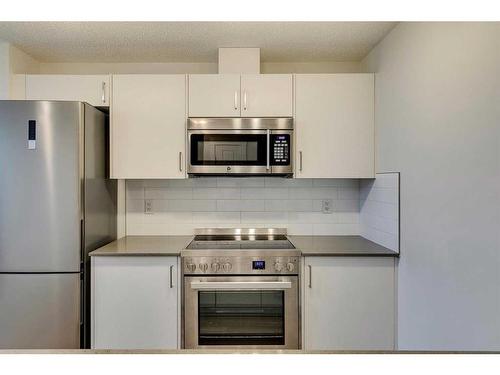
[
  {"x": 40, "y": 186},
  {"x": 40, "y": 311}
]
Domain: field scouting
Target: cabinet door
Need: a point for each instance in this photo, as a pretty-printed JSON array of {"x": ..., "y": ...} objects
[
  {"x": 266, "y": 95},
  {"x": 349, "y": 303},
  {"x": 334, "y": 122},
  {"x": 214, "y": 95},
  {"x": 148, "y": 126},
  {"x": 134, "y": 302},
  {"x": 93, "y": 89}
]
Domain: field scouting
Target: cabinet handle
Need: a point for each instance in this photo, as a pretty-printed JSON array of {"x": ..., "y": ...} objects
[
  {"x": 171, "y": 276},
  {"x": 236, "y": 100},
  {"x": 180, "y": 161},
  {"x": 245, "y": 100},
  {"x": 300, "y": 161},
  {"x": 310, "y": 275},
  {"x": 103, "y": 88}
]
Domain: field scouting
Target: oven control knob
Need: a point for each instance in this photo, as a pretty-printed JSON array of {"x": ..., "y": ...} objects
[
  {"x": 278, "y": 266},
  {"x": 191, "y": 267},
  {"x": 290, "y": 266},
  {"x": 227, "y": 267},
  {"x": 215, "y": 267},
  {"x": 203, "y": 267}
]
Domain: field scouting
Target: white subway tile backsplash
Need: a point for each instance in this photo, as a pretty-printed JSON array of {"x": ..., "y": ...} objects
[
  {"x": 134, "y": 206},
  {"x": 228, "y": 193},
  {"x": 179, "y": 206},
  {"x": 379, "y": 210},
  {"x": 299, "y": 229},
  {"x": 204, "y": 217},
  {"x": 228, "y": 217},
  {"x": 205, "y": 193},
  {"x": 203, "y": 205},
  {"x": 287, "y": 182},
  {"x": 252, "y": 205},
  {"x": 152, "y": 183},
  {"x": 253, "y": 193},
  {"x": 228, "y": 205},
  {"x": 300, "y": 193},
  {"x": 135, "y": 193},
  {"x": 276, "y": 193},
  {"x": 180, "y": 183},
  {"x": 264, "y": 217},
  {"x": 346, "y": 206},
  {"x": 204, "y": 182},
  {"x": 300, "y": 205},
  {"x": 168, "y": 193},
  {"x": 335, "y": 229},
  {"x": 240, "y": 182},
  {"x": 348, "y": 193}
]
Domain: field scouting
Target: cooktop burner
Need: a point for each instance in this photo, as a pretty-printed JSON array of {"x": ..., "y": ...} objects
[{"x": 255, "y": 239}]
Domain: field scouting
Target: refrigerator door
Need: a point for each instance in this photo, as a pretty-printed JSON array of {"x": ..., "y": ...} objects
[
  {"x": 40, "y": 186},
  {"x": 40, "y": 311}
]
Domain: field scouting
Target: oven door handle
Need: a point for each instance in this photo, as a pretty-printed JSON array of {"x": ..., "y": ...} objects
[{"x": 241, "y": 285}]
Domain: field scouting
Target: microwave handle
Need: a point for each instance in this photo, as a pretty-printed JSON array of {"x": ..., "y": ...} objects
[
  {"x": 268, "y": 146},
  {"x": 240, "y": 285}
]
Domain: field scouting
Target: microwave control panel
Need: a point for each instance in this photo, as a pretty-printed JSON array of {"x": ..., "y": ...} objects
[{"x": 280, "y": 149}]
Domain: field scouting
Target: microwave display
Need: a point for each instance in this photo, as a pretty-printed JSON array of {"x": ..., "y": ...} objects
[{"x": 280, "y": 149}]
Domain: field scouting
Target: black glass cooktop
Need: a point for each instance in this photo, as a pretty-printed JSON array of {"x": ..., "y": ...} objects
[{"x": 240, "y": 242}]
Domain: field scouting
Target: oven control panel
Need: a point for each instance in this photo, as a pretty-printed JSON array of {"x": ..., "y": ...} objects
[
  {"x": 251, "y": 265},
  {"x": 280, "y": 149}
]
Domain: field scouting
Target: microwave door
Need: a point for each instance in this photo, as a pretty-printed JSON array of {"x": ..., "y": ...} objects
[{"x": 228, "y": 151}]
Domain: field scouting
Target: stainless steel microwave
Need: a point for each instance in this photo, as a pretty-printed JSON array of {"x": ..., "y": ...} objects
[{"x": 240, "y": 146}]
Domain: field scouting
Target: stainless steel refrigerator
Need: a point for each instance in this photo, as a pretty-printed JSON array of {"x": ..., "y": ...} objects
[{"x": 56, "y": 205}]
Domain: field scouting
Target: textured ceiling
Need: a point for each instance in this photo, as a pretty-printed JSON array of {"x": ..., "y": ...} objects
[{"x": 193, "y": 41}]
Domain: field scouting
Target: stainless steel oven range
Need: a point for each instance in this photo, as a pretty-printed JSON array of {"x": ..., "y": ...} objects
[{"x": 241, "y": 289}]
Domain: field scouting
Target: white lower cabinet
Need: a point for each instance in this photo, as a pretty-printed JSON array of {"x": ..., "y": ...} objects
[
  {"x": 349, "y": 303},
  {"x": 135, "y": 302}
]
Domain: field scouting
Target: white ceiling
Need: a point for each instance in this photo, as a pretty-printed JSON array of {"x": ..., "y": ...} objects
[{"x": 193, "y": 41}]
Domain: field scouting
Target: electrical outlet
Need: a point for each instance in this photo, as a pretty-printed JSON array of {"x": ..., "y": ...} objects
[
  {"x": 327, "y": 206},
  {"x": 148, "y": 206}
]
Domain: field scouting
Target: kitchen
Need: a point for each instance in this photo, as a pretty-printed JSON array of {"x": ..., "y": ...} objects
[{"x": 246, "y": 203}]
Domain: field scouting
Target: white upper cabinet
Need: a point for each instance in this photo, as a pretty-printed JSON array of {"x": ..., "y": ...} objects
[
  {"x": 214, "y": 95},
  {"x": 248, "y": 95},
  {"x": 266, "y": 95},
  {"x": 334, "y": 126},
  {"x": 148, "y": 126},
  {"x": 93, "y": 89}
]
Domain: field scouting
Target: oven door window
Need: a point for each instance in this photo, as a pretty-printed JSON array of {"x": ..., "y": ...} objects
[
  {"x": 241, "y": 317},
  {"x": 228, "y": 149}
]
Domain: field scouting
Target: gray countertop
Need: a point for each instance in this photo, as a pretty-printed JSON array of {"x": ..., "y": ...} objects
[
  {"x": 145, "y": 245},
  {"x": 339, "y": 246},
  {"x": 308, "y": 245}
]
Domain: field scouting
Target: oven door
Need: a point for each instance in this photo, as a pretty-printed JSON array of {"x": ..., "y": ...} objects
[
  {"x": 228, "y": 151},
  {"x": 241, "y": 311}
]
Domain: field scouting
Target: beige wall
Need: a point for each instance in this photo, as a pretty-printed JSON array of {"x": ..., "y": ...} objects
[
  {"x": 21, "y": 62},
  {"x": 150, "y": 68},
  {"x": 4, "y": 70},
  {"x": 437, "y": 121}
]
